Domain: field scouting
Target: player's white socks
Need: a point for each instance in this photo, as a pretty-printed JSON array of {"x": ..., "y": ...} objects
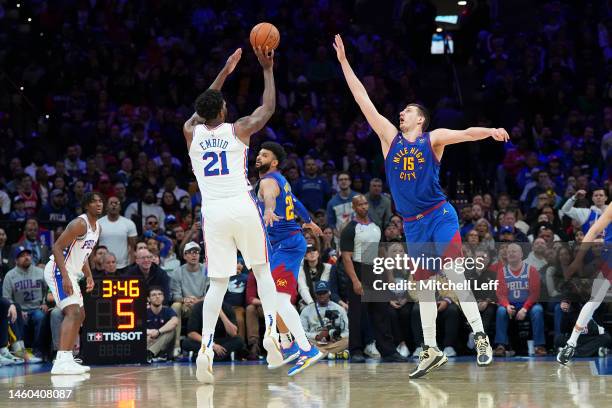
[
  {"x": 598, "y": 292},
  {"x": 292, "y": 320},
  {"x": 467, "y": 301},
  {"x": 211, "y": 308},
  {"x": 267, "y": 294},
  {"x": 429, "y": 312},
  {"x": 286, "y": 340}
]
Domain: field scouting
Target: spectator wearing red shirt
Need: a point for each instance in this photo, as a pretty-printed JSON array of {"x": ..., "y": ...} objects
[{"x": 517, "y": 294}]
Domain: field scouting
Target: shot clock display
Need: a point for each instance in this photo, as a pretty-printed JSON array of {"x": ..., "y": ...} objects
[{"x": 115, "y": 322}]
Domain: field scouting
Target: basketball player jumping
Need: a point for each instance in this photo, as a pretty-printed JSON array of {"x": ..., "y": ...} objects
[
  {"x": 68, "y": 262},
  {"x": 412, "y": 165},
  {"x": 600, "y": 284},
  {"x": 288, "y": 249},
  {"x": 231, "y": 219}
]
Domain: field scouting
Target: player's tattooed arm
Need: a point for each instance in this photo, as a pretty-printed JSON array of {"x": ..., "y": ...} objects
[
  {"x": 227, "y": 69},
  {"x": 385, "y": 130},
  {"x": 268, "y": 189}
]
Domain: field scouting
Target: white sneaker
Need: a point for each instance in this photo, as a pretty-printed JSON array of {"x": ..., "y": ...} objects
[
  {"x": 7, "y": 355},
  {"x": 603, "y": 351},
  {"x": 430, "y": 359},
  {"x": 371, "y": 350},
  {"x": 204, "y": 363},
  {"x": 177, "y": 352},
  {"x": 67, "y": 367},
  {"x": 403, "y": 350},
  {"x": 450, "y": 352},
  {"x": 80, "y": 362},
  {"x": 417, "y": 352},
  {"x": 272, "y": 346},
  {"x": 5, "y": 361}
]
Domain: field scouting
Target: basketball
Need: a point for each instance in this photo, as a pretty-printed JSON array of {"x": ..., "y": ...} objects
[{"x": 265, "y": 35}]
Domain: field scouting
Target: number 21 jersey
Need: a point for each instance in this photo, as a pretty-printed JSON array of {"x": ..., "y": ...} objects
[{"x": 219, "y": 161}]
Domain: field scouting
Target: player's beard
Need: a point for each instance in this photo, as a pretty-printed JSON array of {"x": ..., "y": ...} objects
[{"x": 263, "y": 168}]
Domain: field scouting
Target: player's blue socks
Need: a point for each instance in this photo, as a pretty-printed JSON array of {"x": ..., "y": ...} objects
[{"x": 307, "y": 358}]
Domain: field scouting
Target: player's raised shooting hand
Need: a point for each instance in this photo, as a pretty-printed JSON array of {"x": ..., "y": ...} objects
[
  {"x": 232, "y": 61},
  {"x": 500, "y": 134},
  {"x": 270, "y": 218},
  {"x": 339, "y": 47},
  {"x": 90, "y": 284},
  {"x": 265, "y": 57}
]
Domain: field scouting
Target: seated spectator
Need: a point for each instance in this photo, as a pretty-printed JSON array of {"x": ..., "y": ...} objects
[
  {"x": 227, "y": 340},
  {"x": 537, "y": 256},
  {"x": 161, "y": 326},
  {"x": 235, "y": 296},
  {"x": 95, "y": 260},
  {"x": 518, "y": 289},
  {"x": 448, "y": 320},
  {"x": 312, "y": 270},
  {"x": 25, "y": 285},
  {"x": 109, "y": 265},
  {"x": 153, "y": 275},
  {"x": 325, "y": 322},
  {"x": 329, "y": 251},
  {"x": 18, "y": 212},
  {"x": 5, "y": 254},
  {"x": 188, "y": 284},
  {"x": 380, "y": 205},
  {"x": 39, "y": 251},
  {"x": 10, "y": 316},
  {"x": 312, "y": 189},
  {"x": 510, "y": 219},
  {"x": 485, "y": 234},
  {"x": 56, "y": 210}
]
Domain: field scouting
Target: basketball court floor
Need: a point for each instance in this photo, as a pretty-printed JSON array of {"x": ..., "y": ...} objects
[{"x": 517, "y": 382}]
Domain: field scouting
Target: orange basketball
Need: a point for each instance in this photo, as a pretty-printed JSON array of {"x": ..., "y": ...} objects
[{"x": 265, "y": 35}]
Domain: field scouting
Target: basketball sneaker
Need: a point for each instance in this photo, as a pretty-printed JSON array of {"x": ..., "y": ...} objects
[
  {"x": 566, "y": 354},
  {"x": 307, "y": 358},
  {"x": 272, "y": 346},
  {"x": 6, "y": 358},
  {"x": 289, "y": 354},
  {"x": 204, "y": 363},
  {"x": 67, "y": 366},
  {"x": 80, "y": 362},
  {"x": 429, "y": 359},
  {"x": 484, "y": 352}
]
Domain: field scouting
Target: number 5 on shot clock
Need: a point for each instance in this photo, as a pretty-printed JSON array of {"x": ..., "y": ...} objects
[{"x": 115, "y": 322}]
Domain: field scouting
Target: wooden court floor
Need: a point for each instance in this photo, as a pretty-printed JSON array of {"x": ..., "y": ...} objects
[{"x": 527, "y": 383}]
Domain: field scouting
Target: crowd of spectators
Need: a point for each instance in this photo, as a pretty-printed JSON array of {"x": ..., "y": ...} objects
[{"x": 94, "y": 95}]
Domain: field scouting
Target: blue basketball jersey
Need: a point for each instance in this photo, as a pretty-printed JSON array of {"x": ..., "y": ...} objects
[
  {"x": 593, "y": 216},
  {"x": 286, "y": 226},
  {"x": 518, "y": 286},
  {"x": 413, "y": 174}
]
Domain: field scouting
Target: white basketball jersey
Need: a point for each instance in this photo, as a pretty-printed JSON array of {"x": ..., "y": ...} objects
[
  {"x": 79, "y": 250},
  {"x": 219, "y": 162}
]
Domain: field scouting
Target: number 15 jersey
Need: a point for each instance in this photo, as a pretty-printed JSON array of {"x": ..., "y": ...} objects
[{"x": 219, "y": 162}]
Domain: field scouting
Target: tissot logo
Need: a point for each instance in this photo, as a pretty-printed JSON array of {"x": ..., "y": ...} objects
[{"x": 114, "y": 336}]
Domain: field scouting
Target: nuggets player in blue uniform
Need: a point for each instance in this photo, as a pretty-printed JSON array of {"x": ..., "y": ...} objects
[
  {"x": 279, "y": 206},
  {"x": 412, "y": 165},
  {"x": 601, "y": 284}
]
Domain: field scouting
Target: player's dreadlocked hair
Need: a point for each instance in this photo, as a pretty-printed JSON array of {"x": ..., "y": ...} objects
[
  {"x": 209, "y": 104},
  {"x": 277, "y": 149},
  {"x": 424, "y": 112}
]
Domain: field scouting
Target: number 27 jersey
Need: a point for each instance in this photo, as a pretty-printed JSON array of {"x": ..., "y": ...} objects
[{"x": 219, "y": 161}]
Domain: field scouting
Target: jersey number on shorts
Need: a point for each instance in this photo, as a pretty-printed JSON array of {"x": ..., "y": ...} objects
[
  {"x": 212, "y": 168},
  {"x": 289, "y": 214}
]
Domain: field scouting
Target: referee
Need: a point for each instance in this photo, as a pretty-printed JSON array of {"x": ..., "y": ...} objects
[{"x": 359, "y": 243}]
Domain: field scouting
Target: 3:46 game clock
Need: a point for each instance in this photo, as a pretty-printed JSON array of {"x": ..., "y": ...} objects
[{"x": 115, "y": 322}]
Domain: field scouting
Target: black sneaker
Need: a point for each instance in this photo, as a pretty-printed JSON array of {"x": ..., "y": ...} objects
[
  {"x": 395, "y": 358},
  {"x": 150, "y": 357},
  {"x": 566, "y": 354},
  {"x": 429, "y": 359},
  {"x": 484, "y": 352},
  {"x": 357, "y": 357}
]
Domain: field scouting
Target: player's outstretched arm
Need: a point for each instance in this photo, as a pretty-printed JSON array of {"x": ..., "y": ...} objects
[
  {"x": 383, "y": 128},
  {"x": 443, "y": 137},
  {"x": 599, "y": 225},
  {"x": 76, "y": 228},
  {"x": 268, "y": 188},
  {"x": 188, "y": 127},
  {"x": 229, "y": 67},
  {"x": 249, "y": 125}
]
